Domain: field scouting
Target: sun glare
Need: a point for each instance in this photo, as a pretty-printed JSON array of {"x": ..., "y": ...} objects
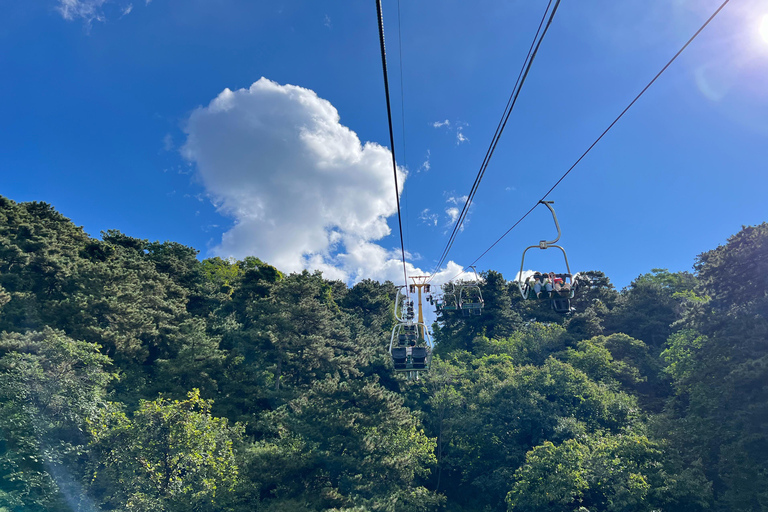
[{"x": 764, "y": 28}]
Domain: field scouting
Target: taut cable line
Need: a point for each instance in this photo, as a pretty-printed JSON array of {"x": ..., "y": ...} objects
[
  {"x": 526, "y": 67},
  {"x": 583, "y": 155},
  {"x": 391, "y": 137}
]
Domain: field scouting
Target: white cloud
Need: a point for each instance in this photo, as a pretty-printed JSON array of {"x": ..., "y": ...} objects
[
  {"x": 453, "y": 214},
  {"x": 460, "y": 137},
  {"x": 452, "y": 272},
  {"x": 425, "y": 166},
  {"x": 302, "y": 189},
  {"x": 426, "y": 217},
  {"x": 451, "y": 199},
  {"x": 523, "y": 276},
  {"x": 89, "y": 10},
  {"x": 327, "y": 21},
  {"x": 458, "y": 127}
]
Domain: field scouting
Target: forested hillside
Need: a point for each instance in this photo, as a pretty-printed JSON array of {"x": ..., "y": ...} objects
[{"x": 135, "y": 377}]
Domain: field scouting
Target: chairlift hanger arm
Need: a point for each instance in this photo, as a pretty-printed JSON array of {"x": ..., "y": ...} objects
[
  {"x": 398, "y": 305},
  {"x": 544, "y": 243}
]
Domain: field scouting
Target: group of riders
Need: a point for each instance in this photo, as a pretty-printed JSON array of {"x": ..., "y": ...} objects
[{"x": 545, "y": 285}]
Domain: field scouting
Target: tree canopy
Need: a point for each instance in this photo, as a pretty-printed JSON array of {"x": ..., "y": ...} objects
[{"x": 136, "y": 376}]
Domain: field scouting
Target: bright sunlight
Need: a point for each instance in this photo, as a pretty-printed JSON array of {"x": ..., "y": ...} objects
[{"x": 764, "y": 28}]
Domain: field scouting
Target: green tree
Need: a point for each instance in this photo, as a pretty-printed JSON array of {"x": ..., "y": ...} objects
[
  {"x": 719, "y": 366},
  {"x": 594, "y": 286},
  {"x": 169, "y": 455},
  {"x": 505, "y": 410},
  {"x": 50, "y": 386},
  {"x": 39, "y": 251},
  {"x": 345, "y": 444},
  {"x": 625, "y": 361},
  {"x": 624, "y": 472},
  {"x": 651, "y": 304}
]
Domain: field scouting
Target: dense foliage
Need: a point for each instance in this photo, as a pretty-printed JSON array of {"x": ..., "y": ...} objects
[{"x": 135, "y": 377}]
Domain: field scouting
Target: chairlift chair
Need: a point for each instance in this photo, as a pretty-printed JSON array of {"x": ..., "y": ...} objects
[
  {"x": 559, "y": 302},
  {"x": 471, "y": 297},
  {"x": 449, "y": 300},
  {"x": 410, "y": 346}
]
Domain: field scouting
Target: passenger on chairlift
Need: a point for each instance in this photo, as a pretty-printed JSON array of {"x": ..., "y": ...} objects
[
  {"x": 532, "y": 283},
  {"x": 549, "y": 282}
]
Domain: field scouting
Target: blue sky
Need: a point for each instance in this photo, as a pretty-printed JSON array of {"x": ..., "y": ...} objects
[{"x": 118, "y": 114}]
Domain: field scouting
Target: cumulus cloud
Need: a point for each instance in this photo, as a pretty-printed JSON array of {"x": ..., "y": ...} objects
[
  {"x": 452, "y": 272},
  {"x": 302, "y": 189},
  {"x": 439, "y": 124}
]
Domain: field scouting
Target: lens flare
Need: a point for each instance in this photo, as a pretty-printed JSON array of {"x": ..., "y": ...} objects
[{"x": 764, "y": 28}]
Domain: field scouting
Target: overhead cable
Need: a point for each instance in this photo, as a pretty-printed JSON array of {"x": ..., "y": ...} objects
[
  {"x": 600, "y": 137},
  {"x": 391, "y": 138},
  {"x": 526, "y": 67},
  {"x": 402, "y": 119}
]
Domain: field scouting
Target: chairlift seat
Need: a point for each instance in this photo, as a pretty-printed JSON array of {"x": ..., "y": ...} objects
[
  {"x": 419, "y": 357},
  {"x": 399, "y": 356}
]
